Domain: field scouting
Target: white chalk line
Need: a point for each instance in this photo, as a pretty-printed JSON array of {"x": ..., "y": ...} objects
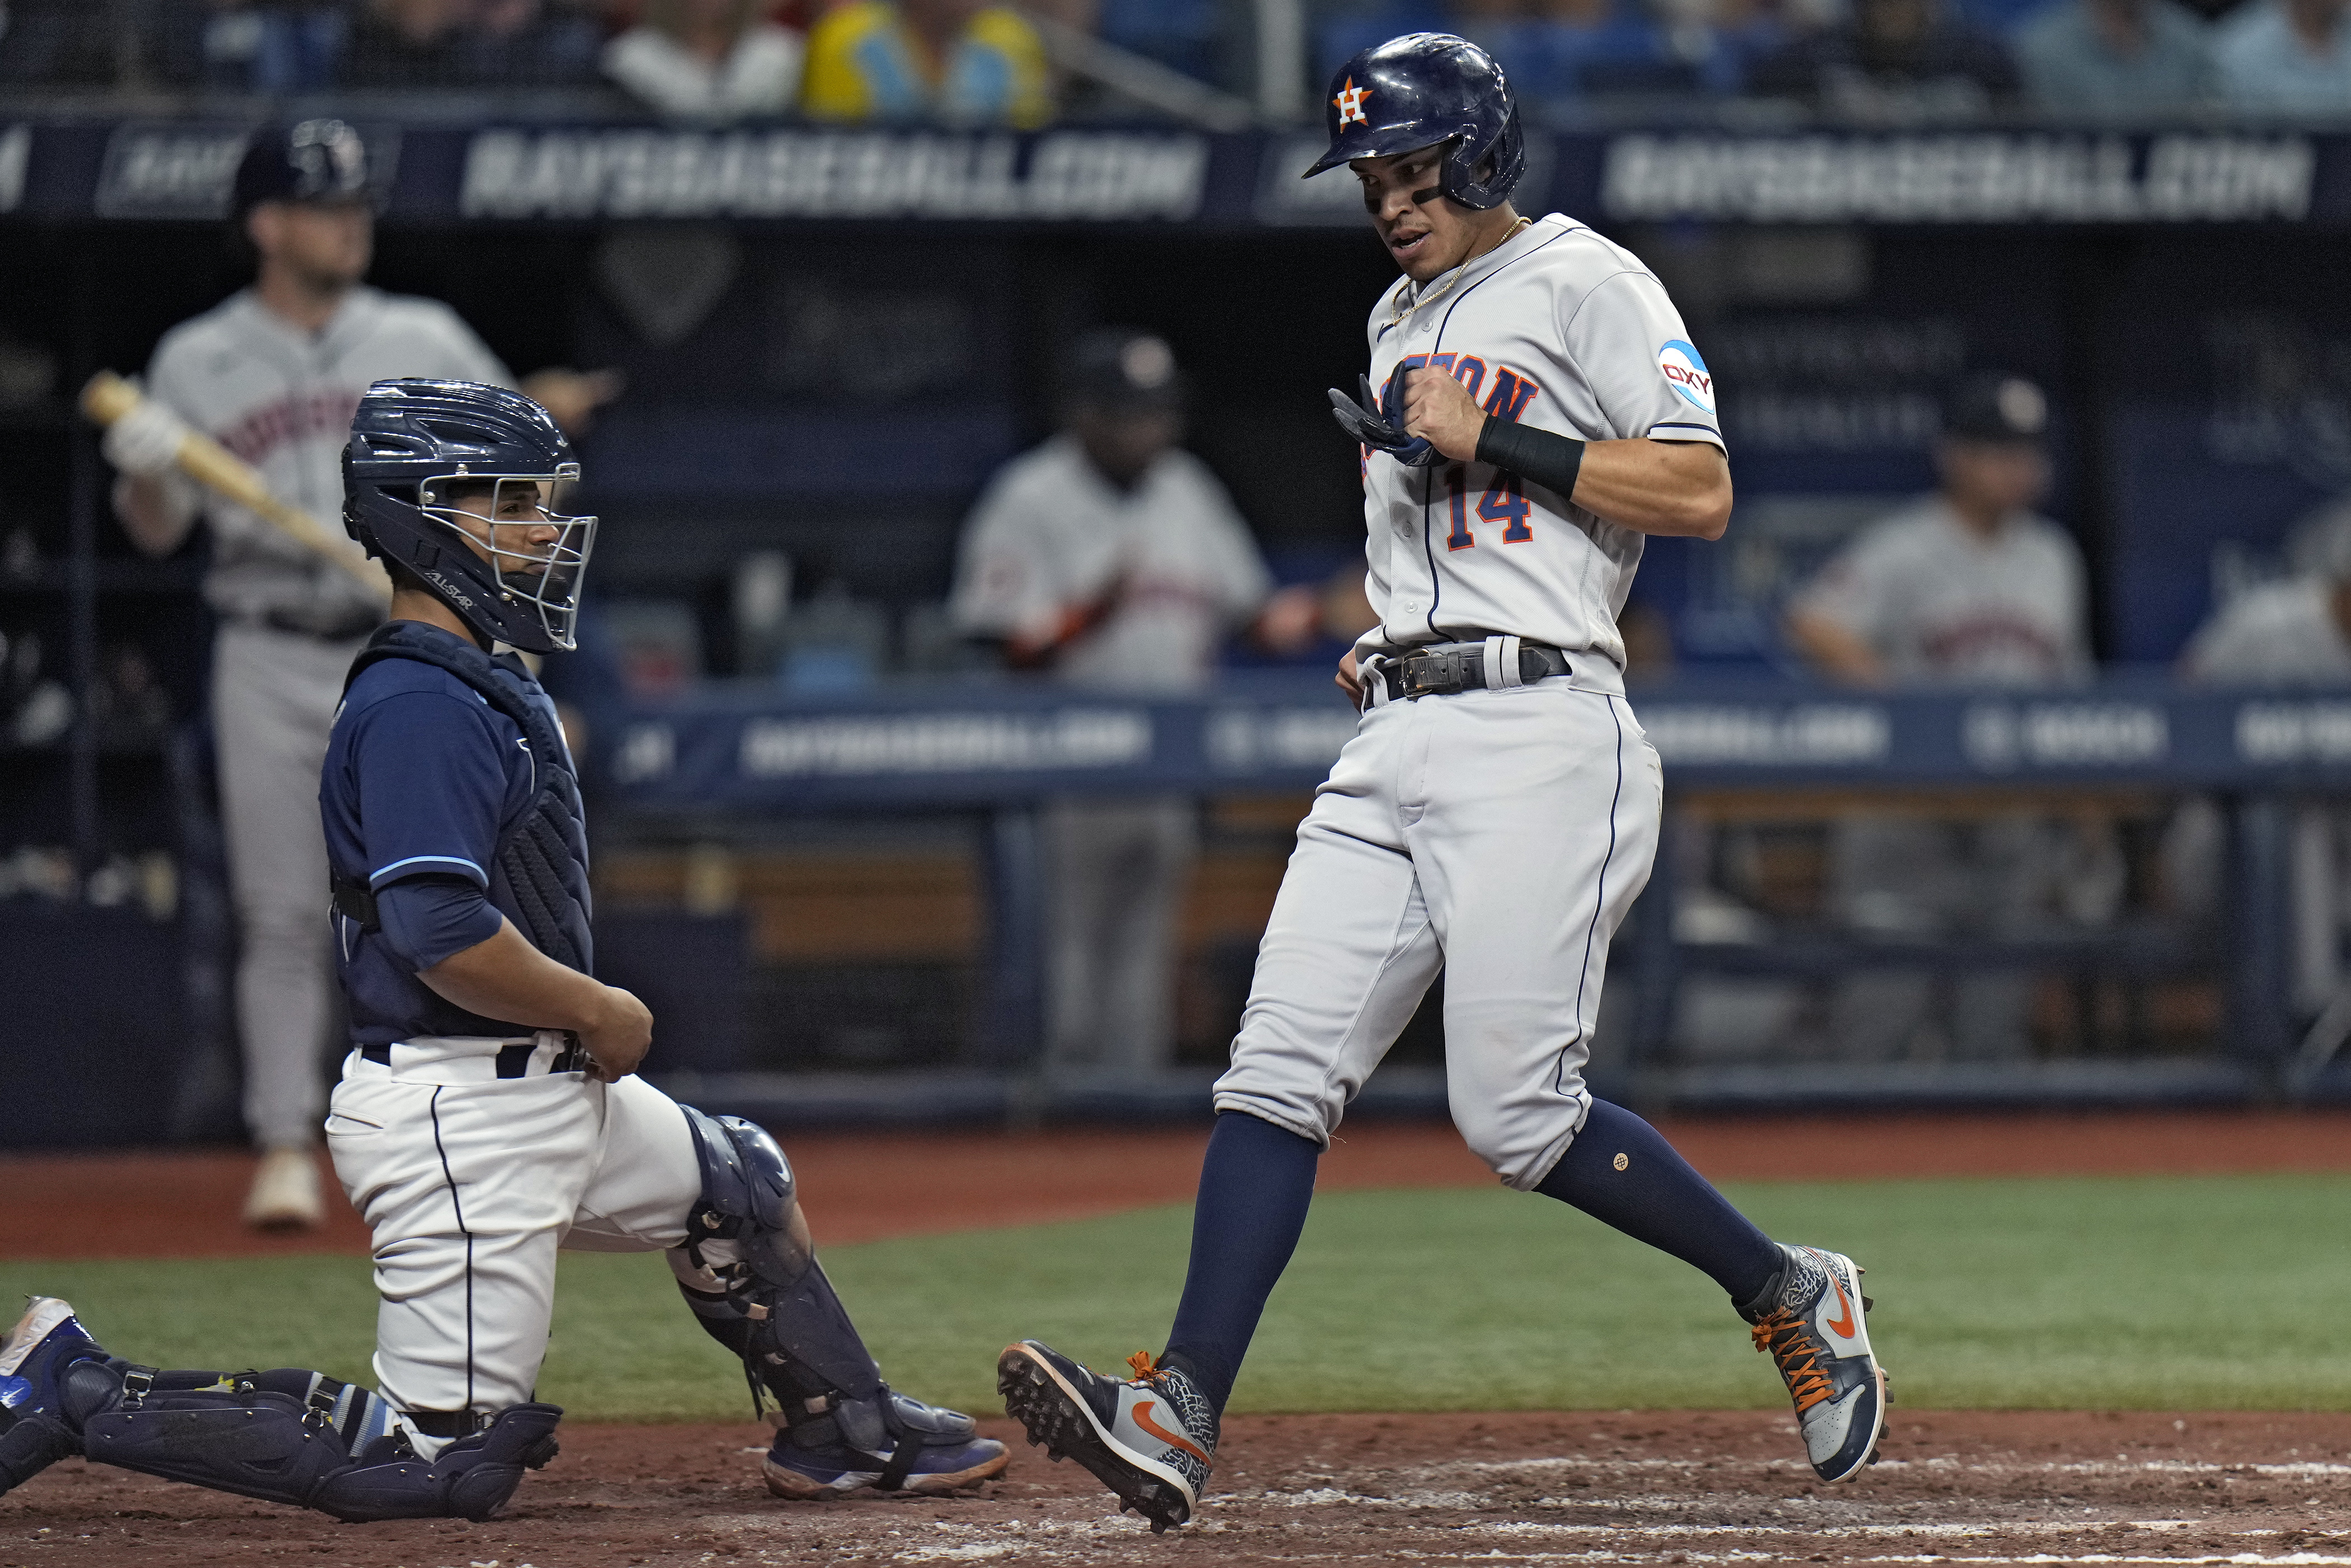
[{"x": 1990, "y": 1468}]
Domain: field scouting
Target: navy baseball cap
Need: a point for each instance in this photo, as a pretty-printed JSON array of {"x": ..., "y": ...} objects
[
  {"x": 1122, "y": 369},
  {"x": 2001, "y": 408},
  {"x": 319, "y": 161}
]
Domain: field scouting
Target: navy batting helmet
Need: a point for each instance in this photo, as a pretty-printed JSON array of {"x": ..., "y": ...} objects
[
  {"x": 314, "y": 161},
  {"x": 1418, "y": 90},
  {"x": 456, "y": 484}
]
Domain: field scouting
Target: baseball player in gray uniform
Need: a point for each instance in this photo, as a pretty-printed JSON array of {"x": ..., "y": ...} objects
[
  {"x": 273, "y": 373},
  {"x": 2294, "y": 632},
  {"x": 1966, "y": 585},
  {"x": 1114, "y": 558},
  {"x": 1541, "y": 410}
]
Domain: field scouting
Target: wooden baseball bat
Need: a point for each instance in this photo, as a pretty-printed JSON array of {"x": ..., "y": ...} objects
[{"x": 109, "y": 397}]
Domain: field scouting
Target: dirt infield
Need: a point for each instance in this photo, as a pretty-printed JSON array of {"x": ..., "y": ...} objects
[
  {"x": 1678, "y": 1487},
  {"x": 860, "y": 1186},
  {"x": 1686, "y": 1488}
]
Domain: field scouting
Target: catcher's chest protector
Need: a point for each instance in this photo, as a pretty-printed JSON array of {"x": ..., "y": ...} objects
[{"x": 539, "y": 878}]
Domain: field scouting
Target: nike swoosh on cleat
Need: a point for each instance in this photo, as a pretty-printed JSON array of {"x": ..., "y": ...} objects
[
  {"x": 1141, "y": 1414},
  {"x": 1842, "y": 1327}
]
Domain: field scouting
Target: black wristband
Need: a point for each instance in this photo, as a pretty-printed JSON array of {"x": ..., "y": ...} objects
[{"x": 1537, "y": 456}]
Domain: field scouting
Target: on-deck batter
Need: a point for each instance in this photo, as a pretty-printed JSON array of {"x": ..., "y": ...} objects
[{"x": 1540, "y": 408}]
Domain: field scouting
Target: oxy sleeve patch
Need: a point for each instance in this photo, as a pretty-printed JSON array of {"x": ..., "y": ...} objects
[{"x": 1685, "y": 372}]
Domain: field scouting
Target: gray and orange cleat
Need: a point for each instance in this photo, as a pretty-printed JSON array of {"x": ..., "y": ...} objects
[
  {"x": 1811, "y": 1322},
  {"x": 1150, "y": 1440}
]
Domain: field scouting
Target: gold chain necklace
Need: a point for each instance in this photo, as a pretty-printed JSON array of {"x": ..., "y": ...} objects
[{"x": 1453, "y": 282}]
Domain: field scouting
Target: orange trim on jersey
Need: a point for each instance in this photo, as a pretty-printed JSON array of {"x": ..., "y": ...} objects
[{"x": 1513, "y": 389}]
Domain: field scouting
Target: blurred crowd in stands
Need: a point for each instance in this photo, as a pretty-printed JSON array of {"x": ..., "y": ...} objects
[
  {"x": 964, "y": 61},
  {"x": 1908, "y": 61}
]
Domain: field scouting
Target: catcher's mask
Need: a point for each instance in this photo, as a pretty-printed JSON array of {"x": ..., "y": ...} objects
[{"x": 465, "y": 487}]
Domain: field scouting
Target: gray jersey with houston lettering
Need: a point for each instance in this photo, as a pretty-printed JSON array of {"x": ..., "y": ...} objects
[
  {"x": 1555, "y": 328},
  {"x": 282, "y": 399}
]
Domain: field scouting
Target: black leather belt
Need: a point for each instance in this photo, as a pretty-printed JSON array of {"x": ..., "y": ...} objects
[
  {"x": 1449, "y": 667},
  {"x": 514, "y": 1061}
]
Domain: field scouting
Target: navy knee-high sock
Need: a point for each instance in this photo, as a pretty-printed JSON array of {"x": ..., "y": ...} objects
[
  {"x": 1255, "y": 1185},
  {"x": 1621, "y": 1171}
]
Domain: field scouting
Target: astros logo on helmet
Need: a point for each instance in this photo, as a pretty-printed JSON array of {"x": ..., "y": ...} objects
[{"x": 1350, "y": 103}]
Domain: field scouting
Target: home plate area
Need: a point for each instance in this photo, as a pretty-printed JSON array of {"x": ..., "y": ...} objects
[{"x": 1555, "y": 1486}]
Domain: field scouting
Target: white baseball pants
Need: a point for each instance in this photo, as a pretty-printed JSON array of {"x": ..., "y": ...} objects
[
  {"x": 471, "y": 1184},
  {"x": 1499, "y": 835}
]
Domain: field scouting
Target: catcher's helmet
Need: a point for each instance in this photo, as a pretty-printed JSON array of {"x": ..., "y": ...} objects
[
  {"x": 421, "y": 450},
  {"x": 313, "y": 161},
  {"x": 1418, "y": 90}
]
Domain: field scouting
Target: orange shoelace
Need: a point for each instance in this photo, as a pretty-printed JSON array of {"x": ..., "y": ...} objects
[
  {"x": 1144, "y": 1368},
  {"x": 1783, "y": 1334}
]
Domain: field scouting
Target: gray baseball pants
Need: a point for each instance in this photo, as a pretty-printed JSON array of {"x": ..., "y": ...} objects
[
  {"x": 274, "y": 698},
  {"x": 1116, "y": 873},
  {"x": 1499, "y": 835}
]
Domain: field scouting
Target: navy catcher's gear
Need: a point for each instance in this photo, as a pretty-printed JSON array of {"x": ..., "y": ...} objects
[
  {"x": 1422, "y": 90},
  {"x": 1375, "y": 425},
  {"x": 52, "y": 1374},
  {"x": 540, "y": 875},
  {"x": 260, "y": 1441},
  {"x": 747, "y": 1231},
  {"x": 776, "y": 1310},
  {"x": 288, "y": 1436},
  {"x": 417, "y": 449},
  {"x": 315, "y": 161}
]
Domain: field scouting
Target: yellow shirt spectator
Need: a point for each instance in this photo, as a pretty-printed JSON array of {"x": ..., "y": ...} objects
[{"x": 948, "y": 60}]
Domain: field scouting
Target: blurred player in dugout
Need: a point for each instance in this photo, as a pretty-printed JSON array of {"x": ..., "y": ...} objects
[
  {"x": 273, "y": 373},
  {"x": 1967, "y": 586},
  {"x": 1111, "y": 558},
  {"x": 2295, "y": 632}
]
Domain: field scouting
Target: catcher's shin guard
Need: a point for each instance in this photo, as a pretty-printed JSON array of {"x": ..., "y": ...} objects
[
  {"x": 262, "y": 1443},
  {"x": 288, "y": 1436},
  {"x": 752, "y": 1278}
]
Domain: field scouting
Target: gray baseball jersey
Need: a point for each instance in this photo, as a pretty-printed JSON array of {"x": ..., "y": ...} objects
[
  {"x": 282, "y": 399},
  {"x": 1050, "y": 534},
  {"x": 1562, "y": 329},
  {"x": 2283, "y": 633},
  {"x": 1938, "y": 602}
]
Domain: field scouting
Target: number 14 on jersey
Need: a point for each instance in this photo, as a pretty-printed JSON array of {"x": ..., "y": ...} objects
[{"x": 1501, "y": 504}]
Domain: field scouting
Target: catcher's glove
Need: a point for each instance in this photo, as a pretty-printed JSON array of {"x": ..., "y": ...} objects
[{"x": 1380, "y": 429}]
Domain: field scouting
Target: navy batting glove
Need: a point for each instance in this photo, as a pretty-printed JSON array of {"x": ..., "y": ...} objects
[{"x": 1373, "y": 427}]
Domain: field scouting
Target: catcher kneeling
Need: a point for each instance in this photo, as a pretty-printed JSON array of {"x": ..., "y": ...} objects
[{"x": 487, "y": 1115}]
